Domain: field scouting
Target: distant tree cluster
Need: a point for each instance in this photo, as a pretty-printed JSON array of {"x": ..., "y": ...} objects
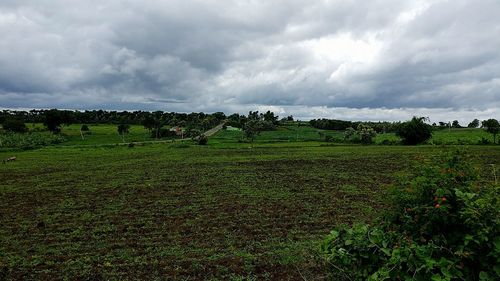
[
  {"x": 267, "y": 121},
  {"x": 341, "y": 125},
  {"x": 54, "y": 119},
  {"x": 109, "y": 117}
]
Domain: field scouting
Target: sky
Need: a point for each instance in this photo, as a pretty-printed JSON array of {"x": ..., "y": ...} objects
[{"x": 344, "y": 59}]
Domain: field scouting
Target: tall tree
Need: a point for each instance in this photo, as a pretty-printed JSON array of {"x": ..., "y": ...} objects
[
  {"x": 122, "y": 130},
  {"x": 493, "y": 127},
  {"x": 473, "y": 124}
]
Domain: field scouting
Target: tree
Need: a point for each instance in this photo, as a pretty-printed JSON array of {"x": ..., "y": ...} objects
[
  {"x": 202, "y": 140},
  {"x": 84, "y": 130},
  {"x": 148, "y": 122},
  {"x": 414, "y": 131},
  {"x": 493, "y": 127},
  {"x": 252, "y": 129},
  {"x": 122, "y": 130},
  {"x": 349, "y": 134},
  {"x": 455, "y": 124},
  {"x": 366, "y": 133},
  {"x": 15, "y": 125},
  {"x": 53, "y": 120},
  {"x": 473, "y": 124}
]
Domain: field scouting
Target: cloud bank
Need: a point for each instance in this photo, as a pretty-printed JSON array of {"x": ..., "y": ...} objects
[{"x": 350, "y": 59}]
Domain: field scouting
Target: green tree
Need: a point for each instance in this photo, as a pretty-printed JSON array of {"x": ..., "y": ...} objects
[
  {"x": 366, "y": 133},
  {"x": 252, "y": 129},
  {"x": 493, "y": 127},
  {"x": 15, "y": 125},
  {"x": 414, "y": 131},
  {"x": 84, "y": 129},
  {"x": 473, "y": 124},
  {"x": 122, "y": 130},
  {"x": 53, "y": 120}
]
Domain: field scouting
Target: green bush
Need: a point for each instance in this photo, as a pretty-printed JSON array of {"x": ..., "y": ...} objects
[
  {"x": 366, "y": 133},
  {"x": 415, "y": 131},
  {"x": 444, "y": 226},
  {"x": 14, "y": 125},
  {"x": 202, "y": 140}
]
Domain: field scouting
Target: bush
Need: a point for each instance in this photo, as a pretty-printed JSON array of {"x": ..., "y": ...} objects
[
  {"x": 484, "y": 141},
  {"x": 366, "y": 133},
  {"x": 363, "y": 134},
  {"x": 415, "y": 131},
  {"x": 444, "y": 226},
  {"x": 14, "y": 125},
  {"x": 202, "y": 140}
]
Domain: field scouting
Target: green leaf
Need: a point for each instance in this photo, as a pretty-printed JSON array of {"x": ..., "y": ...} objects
[{"x": 436, "y": 277}]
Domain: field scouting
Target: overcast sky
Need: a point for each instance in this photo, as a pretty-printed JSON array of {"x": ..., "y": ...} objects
[{"x": 348, "y": 59}]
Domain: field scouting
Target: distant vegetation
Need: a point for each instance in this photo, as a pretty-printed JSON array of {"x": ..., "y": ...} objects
[{"x": 252, "y": 127}]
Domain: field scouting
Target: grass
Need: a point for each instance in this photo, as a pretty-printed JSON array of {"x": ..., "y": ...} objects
[
  {"x": 221, "y": 211},
  {"x": 304, "y": 133}
]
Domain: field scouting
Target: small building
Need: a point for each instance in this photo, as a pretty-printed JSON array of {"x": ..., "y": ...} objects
[
  {"x": 178, "y": 131},
  {"x": 231, "y": 128}
]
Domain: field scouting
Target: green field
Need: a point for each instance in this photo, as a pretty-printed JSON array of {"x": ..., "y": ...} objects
[{"x": 221, "y": 211}]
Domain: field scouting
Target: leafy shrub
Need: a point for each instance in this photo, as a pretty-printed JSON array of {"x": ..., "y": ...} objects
[
  {"x": 29, "y": 141},
  {"x": 484, "y": 141},
  {"x": 14, "y": 125},
  {"x": 444, "y": 226},
  {"x": 492, "y": 126},
  {"x": 365, "y": 133},
  {"x": 202, "y": 140},
  {"x": 415, "y": 131}
]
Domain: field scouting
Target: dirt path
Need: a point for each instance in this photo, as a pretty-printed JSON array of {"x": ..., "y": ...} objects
[{"x": 215, "y": 129}]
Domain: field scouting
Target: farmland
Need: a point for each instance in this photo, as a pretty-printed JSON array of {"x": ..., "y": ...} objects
[{"x": 221, "y": 211}]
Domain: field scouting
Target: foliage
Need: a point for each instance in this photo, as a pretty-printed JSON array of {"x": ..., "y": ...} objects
[
  {"x": 415, "y": 131},
  {"x": 252, "y": 129},
  {"x": 366, "y": 133},
  {"x": 341, "y": 125},
  {"x": 202, "y": 140},
  {"x": 455, "y": 124},
  {"x": 363, "y": 134},
  {"x": 29, "y": 141},
  {"x": 14, "y": 125},
  {"x": 330, "y": 124},
  {"x": 493, "y": 127},
  {"x": 350, "y": 134},
  {"x": 474, "y": 123},
  {"x": 85, "y": 128},
  {"x": 123, "y": 129},
  {"x": 445, "y": 226}
]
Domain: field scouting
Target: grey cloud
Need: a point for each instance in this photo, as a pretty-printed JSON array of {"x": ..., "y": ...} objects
[{"x": 235, "y": 55}]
